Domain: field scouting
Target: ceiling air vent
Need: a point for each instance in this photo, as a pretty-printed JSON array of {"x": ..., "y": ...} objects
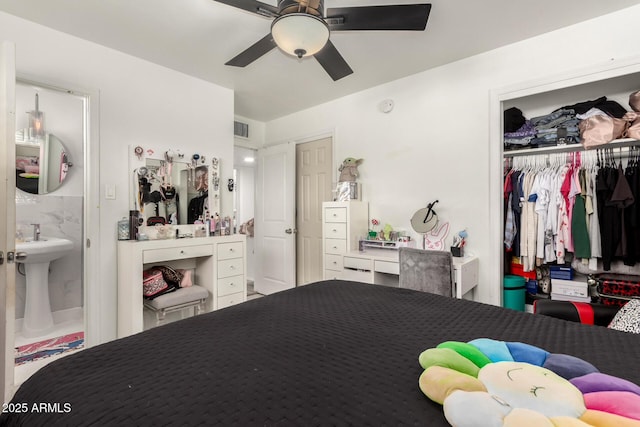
[{"x": 241, "y": 129}]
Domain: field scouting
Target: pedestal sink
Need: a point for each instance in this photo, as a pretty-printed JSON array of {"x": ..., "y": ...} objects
[{"x": 38, "y": 319}]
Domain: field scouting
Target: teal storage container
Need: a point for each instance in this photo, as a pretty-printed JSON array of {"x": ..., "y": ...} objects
[{"x": 514, "y": 288}]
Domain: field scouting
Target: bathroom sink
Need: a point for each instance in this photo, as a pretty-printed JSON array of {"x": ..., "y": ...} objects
[
  {"x": 44, "y": 250},
  {"x": 38, "y": 319}
]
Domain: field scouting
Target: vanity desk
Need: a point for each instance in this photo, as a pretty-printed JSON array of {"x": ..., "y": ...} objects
[
  {"x": 382, "y": 267},
  {"x": 218, "y": 264}
]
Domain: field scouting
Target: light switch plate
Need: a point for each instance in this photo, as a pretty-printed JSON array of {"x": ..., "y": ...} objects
[{"x": 110, "y": 191}]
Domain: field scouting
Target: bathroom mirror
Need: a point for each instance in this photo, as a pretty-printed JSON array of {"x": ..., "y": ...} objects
[
  {"x": 42, "y": 165},
  {"x": 172, "y": 189}
]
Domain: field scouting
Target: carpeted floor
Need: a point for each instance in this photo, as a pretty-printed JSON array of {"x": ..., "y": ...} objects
[{"x": 49, "y": 347}]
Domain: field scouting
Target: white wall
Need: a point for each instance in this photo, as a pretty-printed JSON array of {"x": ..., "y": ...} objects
[
  {"x": 256, "y": 134},
  {"x": 140, "y": 103},
  {"x": 435, "y": 144}
]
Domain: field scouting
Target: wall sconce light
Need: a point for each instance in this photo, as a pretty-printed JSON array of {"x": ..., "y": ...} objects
[{"x": 36, "y": 123}]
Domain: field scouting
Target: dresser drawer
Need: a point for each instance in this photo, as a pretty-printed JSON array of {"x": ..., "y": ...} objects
[
  {"x": 168, "y": 254},
  {"x": 389, "y": 267},
  {"x": 356, "y": 263},
  {"x": 334, "y": 230},
  {"x": 230, "y": 267},
  {"x": 333, "y": 262},
  {"x": 335, "y": 214},
  {"x": 335, "y": 246},
  {"x": 331, "y": 274},
  {"x": 356, "y": 276},
  {"x": 230, "y": 285},
  {"x": 229, "y": 250},
  {"x": 229, "y": 300}
]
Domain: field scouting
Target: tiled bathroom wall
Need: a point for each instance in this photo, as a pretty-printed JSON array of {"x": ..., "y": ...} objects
[{"x": 58, "y": 216}]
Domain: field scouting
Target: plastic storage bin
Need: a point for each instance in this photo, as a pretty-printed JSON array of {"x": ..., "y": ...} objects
[{"x": 514, "y": 288}]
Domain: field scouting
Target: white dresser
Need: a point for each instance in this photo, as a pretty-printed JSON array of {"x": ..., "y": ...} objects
[
  {"x": 230, "y": 273},
  {"x": 218, "y": 264},
  {"x": 343, "y": 224}
]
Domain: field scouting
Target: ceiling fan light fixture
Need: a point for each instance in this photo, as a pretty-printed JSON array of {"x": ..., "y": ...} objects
[{"x": 300, "y": 34}]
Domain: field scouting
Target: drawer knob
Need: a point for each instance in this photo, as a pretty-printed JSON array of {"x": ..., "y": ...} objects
[
  {"x": 335, "y": 231},
  {"x": 335, "y": 247},
  {"x": 182, "y": 252},
  {"x": 231, "y": 284},
  {"x": 233, "y": 267}
]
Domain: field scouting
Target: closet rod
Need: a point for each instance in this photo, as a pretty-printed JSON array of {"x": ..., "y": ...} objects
[{"x": 571, "y": 148}]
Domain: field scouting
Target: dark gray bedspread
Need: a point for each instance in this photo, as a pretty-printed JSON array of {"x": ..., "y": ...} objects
[{"x": 331, "y": 353}]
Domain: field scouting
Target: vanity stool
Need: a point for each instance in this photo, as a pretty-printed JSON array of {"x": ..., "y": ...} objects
[{"x": 192, "y": 296}]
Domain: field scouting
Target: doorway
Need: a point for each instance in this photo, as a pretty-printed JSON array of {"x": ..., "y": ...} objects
[
  {"x": 50, "y": 201},
  {"x": 292, "y": 181},
  {"x": 314, "y": 182},
  {"x": 244, "y": 203}
]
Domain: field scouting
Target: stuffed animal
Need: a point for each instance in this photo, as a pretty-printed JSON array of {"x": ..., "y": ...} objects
[
  {"x": 508, "y": 384},
  {"x": 386, "y": 231},
  {"x": 349, "y": 169}
]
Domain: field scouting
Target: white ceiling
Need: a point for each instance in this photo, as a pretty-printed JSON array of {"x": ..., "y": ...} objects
[{"x": 198, "y": 36}]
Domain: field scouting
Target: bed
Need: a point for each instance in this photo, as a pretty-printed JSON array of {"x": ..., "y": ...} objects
[{"x": 329, "y": 353}]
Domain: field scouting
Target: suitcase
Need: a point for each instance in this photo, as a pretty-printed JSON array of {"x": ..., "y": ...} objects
[{"x": 618, "y": 289}]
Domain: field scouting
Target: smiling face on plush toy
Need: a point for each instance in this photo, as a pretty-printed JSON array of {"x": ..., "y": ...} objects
[
  {"x": 511, "y": 384},
  {"x": 523, "y": 385}
]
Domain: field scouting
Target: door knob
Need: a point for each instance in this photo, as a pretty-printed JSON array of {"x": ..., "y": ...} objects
[
  {"x": 290, "y": 231},
  {"x": 20, "y": 256}
]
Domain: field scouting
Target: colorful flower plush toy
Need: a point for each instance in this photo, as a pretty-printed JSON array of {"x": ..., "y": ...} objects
[{"x": 491, "y": 383}]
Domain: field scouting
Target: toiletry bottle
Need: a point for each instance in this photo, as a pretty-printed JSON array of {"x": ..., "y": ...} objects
[
  {"x": 212, "y": 226},
  {"x": 123, "y": 229},
  {"x": 207, "y": 224},
  {"x": 218, "y": 224},
  {"x": 134, "y": 223}
]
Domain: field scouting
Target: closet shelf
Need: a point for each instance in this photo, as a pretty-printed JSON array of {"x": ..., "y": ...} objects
[{"x": 570, "y": 148}]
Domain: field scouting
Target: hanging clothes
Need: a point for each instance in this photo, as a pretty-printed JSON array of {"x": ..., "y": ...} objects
[
  {"x": 593, "y": 220},
  {"x": 580, "y": 232},
  {"x": 196, "y": 208},
  {"x": 560, "y": 208},
  {"x": 621, "y": 198},
  {"x": 631, "y": 220}
]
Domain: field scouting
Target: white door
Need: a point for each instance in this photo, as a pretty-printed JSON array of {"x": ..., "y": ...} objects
[
  {"x": 275, "y": 219},
  {"x": 7, "y": 215},
  {"x": 314, "y": 178}
]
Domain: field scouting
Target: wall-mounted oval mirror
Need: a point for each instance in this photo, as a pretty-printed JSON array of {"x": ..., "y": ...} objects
[{"x": 41, "y": 165}]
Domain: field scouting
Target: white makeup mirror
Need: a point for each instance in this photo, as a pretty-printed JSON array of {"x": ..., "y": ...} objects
[{"x": 171, "y": 188}]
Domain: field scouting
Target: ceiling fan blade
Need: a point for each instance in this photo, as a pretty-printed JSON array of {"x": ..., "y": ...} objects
[
  {"x": 332, "y": 62},
  {"x": 253, "y": 6},
  {"x": 261, "y": 47},
  {"x": 411, "y": 17}
]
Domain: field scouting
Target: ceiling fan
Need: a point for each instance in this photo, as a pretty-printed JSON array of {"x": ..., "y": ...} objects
[{"x": 301, "y": 28}]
